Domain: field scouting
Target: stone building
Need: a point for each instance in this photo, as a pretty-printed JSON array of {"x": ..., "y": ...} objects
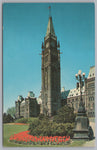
[
  {"x": 17, "y": 106},
  {"x": 64, "y": 95},
  {"x": 88, "y": 95},
  {"x": 73, "y": 98},
  {"x": 51, "y": 93},
  {"x": 27, "y": 107}
]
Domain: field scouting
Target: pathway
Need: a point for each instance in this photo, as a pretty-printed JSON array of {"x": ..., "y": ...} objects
[
  {"x": 92, "y": 142},
  {"x": 89, "y": 143}
]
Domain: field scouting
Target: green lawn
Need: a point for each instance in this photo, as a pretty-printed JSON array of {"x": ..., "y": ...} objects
[{"x": 9, "y": 129}]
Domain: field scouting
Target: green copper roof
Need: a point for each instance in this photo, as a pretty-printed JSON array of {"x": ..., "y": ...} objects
[
  {"x": 20, "y": 97},
  {"x": 31, "y": 94},
  {"x": 50, "y": 28}
]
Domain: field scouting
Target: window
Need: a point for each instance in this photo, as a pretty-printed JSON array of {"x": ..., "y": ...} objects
[
  {"x": 91, "y": 85},
  {"x": 72, "y": 100},
  {"x": 89, "y": 106},
  {"x": 93, "y": 105},
  {"x": 92, "y": 98}
]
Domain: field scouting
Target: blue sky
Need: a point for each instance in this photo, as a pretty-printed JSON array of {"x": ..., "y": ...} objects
[{"x": 24, "y": 29}]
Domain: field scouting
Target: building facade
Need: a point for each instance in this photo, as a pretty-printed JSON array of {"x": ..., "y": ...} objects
[
  {"x": 73, "y": 98},
  {"x": 27, "y": 107},
  {"x": 88, "y": 95},
  {"x": 51, "y": 93}
]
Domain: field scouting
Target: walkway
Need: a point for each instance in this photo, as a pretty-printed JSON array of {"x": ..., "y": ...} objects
[
  {"x": 89, "y": 143},
  {"x": 92, "y": 142}
]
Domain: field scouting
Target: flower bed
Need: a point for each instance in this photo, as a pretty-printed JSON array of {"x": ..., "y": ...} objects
[{"x": 25, "y": 138}]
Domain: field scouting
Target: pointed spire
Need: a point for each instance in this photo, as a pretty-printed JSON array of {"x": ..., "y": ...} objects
[
  {"x": 42, "y": 46},
  {"x": 50, "y": 28}
]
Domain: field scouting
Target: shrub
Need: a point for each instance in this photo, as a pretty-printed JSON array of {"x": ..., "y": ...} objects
[
  {"x": 62, "y": 124},
  {"x": 42, "y": 117},
  {"x": 33, "y": 125},
  {"x": 48, "y": 128},
  {"x": 26, "y": 120},
  {"x": 22, "y": 120},
  {"x": 65, "y": 115},
  {"x": 31, "y": 119}
]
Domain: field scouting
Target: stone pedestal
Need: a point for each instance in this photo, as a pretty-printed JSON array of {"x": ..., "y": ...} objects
[
  {"x": 81, "y": 124},
  {"x": 81, "y": 127}
]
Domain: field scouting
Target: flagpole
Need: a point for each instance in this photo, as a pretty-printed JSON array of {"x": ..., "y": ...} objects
[{"x": 49, "y": 11}]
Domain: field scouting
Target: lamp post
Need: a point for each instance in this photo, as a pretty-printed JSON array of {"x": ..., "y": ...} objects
[
  {"x": 81, "y": 121},
  {"x": 81, "y": 78}
]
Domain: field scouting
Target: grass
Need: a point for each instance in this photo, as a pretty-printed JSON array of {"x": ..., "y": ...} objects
[{"x": 9, "y": 129}]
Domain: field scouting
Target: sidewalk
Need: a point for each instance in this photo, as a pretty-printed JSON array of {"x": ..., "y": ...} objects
[
  {"x": 89, "y": 144},
  {"x": 92, "y": 142}
]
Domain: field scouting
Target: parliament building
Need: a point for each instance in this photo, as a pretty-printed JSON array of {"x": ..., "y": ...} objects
[
  {"x": 72, "y": 97},
  {"x": 27, "y": 107},
  {"x": 51, "y": 96}
]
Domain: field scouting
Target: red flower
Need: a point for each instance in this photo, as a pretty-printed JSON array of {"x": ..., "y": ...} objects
[{"x": 25, "y": 137}]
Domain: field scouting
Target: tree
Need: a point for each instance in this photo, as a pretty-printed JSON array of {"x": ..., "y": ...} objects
[
  {"x": 4, "y": 117},
  {"x": 11, "y": 111},
  {"x": 7, "y": 118},
  {"x": 65, "y": 115}
]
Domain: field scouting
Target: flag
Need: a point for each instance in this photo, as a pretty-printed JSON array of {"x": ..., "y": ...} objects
[{"x": 49, "y": 7}]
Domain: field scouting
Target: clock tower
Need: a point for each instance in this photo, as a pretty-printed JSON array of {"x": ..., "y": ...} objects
[{"x": 51, "y": 94}]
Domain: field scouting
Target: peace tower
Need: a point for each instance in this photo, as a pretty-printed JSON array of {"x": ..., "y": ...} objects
[{"x": 51, "y": 94}]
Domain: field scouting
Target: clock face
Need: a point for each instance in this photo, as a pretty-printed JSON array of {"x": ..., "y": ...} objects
[{"x": 53, "y": 44}]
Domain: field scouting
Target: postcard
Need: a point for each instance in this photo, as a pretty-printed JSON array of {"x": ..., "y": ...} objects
[{"x": 48, "y": 74}]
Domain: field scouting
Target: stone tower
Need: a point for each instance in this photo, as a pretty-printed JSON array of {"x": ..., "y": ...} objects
[{"x": 51, "y": 94}]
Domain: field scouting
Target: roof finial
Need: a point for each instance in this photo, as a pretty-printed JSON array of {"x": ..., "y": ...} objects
[{"x": 49, "y": 11}]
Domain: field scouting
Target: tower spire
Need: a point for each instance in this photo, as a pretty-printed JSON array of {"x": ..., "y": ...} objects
[{"x": 50, "y": 28}]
